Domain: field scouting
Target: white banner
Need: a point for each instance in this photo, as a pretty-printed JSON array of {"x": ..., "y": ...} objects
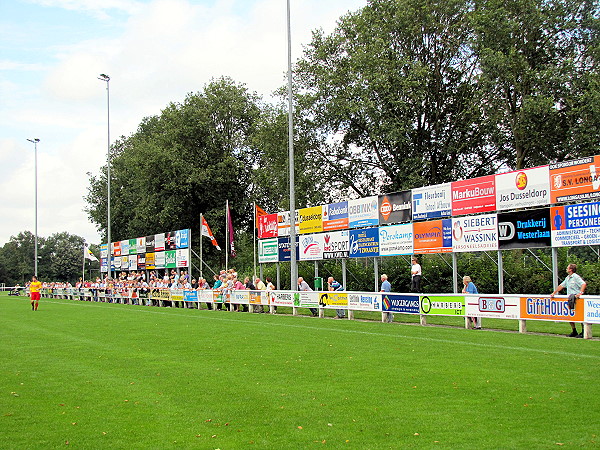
[
  {"x": 591, "y": 309},
  {"x": 475, "y": 233},
  {"x": 523, "y": 188},
  {"x": 396, "y": 240},
  {"x": 268, "y": 250},
  {"x": 493, "y": 306},
  {"x": 182, "y": 257},
  {"x": 363, "y": 212},
  {"x": 336, "y": 244},
  {"x": 159, "y": 259},
  {"x": 364, "y": 301},
  {"x": 432, "y": 202},
  {"x": 133, "y": 259},
  {"x": 311, "y": 247}
]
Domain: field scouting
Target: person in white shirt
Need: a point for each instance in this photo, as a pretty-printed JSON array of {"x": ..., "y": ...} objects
[{"x": 415, "y": 271}]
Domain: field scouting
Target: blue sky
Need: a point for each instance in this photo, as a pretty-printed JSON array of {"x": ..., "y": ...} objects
[{"x": 155, "y": 51}]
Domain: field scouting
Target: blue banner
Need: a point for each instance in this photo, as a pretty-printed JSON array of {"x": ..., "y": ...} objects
[
  {"x": 364, "y": 242},
  {"x": 408, "y": 304}
]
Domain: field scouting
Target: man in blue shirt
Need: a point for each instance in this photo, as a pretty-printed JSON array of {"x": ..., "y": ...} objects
[
  {"x": 335, "y": 286},
  {"x": 386, "y": 286},
  {"x": 576, "y": 287}
]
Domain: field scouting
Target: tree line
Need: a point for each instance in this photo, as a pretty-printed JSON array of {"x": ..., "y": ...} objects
[{"x": 401, "y": 94}]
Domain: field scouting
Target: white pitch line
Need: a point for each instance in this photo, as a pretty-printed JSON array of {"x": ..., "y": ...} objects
[{"x": 369, "y": 333}]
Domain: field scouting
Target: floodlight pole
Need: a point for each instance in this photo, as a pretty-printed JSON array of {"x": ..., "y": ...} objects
[
  {"x": 106, "y": 78},
  {"x": 35, "y": 254},
  {"x": 293, "y": 266}
]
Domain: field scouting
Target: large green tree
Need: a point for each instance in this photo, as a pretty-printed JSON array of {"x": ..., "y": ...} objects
[
  {"x": 395, "y": 85},
  {"x": 539, "y": 77},
  {"x": 188, "y": 160}
]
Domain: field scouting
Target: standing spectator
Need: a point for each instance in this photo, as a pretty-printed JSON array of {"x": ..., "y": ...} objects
[
  {"x": 575, "y": 289},
  {"x": 261, "y": 287},
  {"x": 415, "y": 271},
  {"x": 470, "y": 288},
  {"x": 34, "y": 290},
  {"x": 335, "y": 286},
  {"x": 217, "y": 287},
  {"x": 271, "y": 287},
  {"x": 386, "y": 286},
  {"x": 303, "y": 286}
]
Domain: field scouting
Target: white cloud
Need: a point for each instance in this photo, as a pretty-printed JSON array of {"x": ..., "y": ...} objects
[{"x": 165, "y": 49}]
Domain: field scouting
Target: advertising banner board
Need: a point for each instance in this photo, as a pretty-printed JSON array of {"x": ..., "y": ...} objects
[
  {"x": 364, "y": 243},
  {"x": 433, "y": 236},
  {"x": 591, "y": 310},
  {"x": 284, "y": 249},
  {"x": 395, "y": 208},
  {"x": 170, "y": 243},
  {"x": 396, "y": 240},
  {"x": 267, "y": 226},
  {"x": 283, "y": 223},
  {"x": 133, "y": 262},
  {"x": 575, "y": 180},
  {"x": 159, "y": 242},
  {"x": 448, "y": 305},
  {"x": 363, "y": 212},
  {"x": 364, "y": 301},
  {"x": 311, "y": 219},
  {"x": 280, "y": 298},
  {"x": 182, "y": 257},
  {"x": 311, "y": 247},
  {"x": 492, "y": 306},
  {"x": 546, "y": 308},
  {"x": 132, "y": 248},
  {"x": 474, "y": 196},
  {"x": 575, "y": 225},
  {"x": 170, "y": 259},
  {"x": 333, "y": 300},
  {"x": 125, "y": 247},
  {"x": 431, "y": 202},
  {"x": 335, "y": 216},
  {"x": 268, "y": 250},
  {"x": 524, "y": 229},
  {"x": 182, "y": 238},
  {"x": 336, "y": 244},
  {"x": 150, "y": 261},
  {"x": 150, "y": 244},
  {"x": 523, "y": 188},
  {"x": 401, "y": 303},
  {"x": 159, "y": 260},
  {"x": 140, "y": 245},
  {"x": 475, "y": 233},
  {"x": 306, "y": 299}
]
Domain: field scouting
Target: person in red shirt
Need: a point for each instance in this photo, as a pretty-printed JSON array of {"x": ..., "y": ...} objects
[{"x": 34, "y": 289}]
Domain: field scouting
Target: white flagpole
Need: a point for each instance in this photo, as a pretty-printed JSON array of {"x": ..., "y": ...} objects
[
  {"x": 83, "y": 265},
  {"x": 254, "y": 236},
  {"x": 227, "y": 234},
  {"x": 201, "y": 236}
]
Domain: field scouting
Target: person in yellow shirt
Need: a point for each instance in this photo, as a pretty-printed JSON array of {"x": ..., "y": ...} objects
[{"x": 34, "y": 289}]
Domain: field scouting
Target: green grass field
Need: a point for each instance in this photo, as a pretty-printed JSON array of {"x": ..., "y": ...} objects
[{"x": 96, "y": 375}]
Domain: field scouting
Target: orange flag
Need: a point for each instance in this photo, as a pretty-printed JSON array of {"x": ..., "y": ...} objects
[{"x": 259, "y": 212}]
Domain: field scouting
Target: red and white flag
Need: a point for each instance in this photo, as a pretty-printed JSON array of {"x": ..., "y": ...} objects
[
  {"x": 230, "y": 225},
  {"x": 206, "y": 231}
]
